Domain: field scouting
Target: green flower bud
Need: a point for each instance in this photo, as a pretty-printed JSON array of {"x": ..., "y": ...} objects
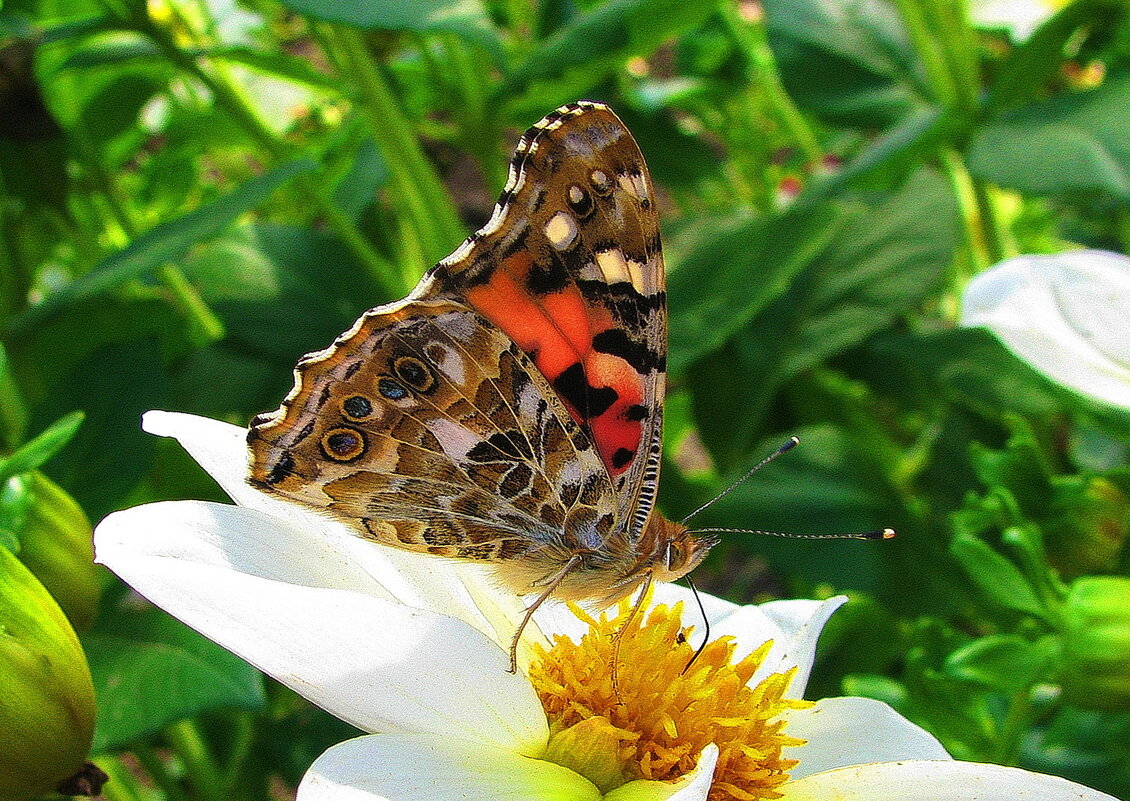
[
  {"x": 46, "y": 693},
  {"x": 56, "y": 545},
  {"x": 1091, "y": 519},
  {"x": 1096, "y": 672}
]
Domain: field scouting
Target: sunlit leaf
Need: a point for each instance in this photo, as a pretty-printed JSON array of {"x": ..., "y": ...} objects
[{"x": 1068, "y": 143}]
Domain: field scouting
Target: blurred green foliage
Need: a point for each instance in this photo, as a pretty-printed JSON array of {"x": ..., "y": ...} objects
[{"x": 197, "y": 192}]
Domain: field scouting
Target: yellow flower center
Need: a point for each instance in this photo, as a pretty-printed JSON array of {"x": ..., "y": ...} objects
[{"x": 659, "y": 716}]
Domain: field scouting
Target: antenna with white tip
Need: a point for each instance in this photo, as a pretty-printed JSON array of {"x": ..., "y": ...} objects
[{"x": 880, "y": 534}]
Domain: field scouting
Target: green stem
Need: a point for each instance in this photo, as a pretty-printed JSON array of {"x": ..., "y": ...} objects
[
  {"x": 950, "y": 19},
  {"x": 479, "y": 138},
  {"x": 1122, "y": 223},
  {"x": 976, "y": 255},
  {"x": 1015, "y": 725},
  {"x": 240, "y": 748},
  {"x": 200, "y": 767},
  {"x": 925, "y": 43},
  {"x": 155, "y": 766},
  {"x": 122, "y": 785},
  {"x": 420, "y": 193},
  {"x": 998, "y": 239},
  {"x": 204, "y": 324},
  {"x": 752, "y": 39},
  {"x": 227, "y": 97}
]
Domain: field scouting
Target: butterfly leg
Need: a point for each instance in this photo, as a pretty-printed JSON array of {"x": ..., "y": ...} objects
[
  {"x": 553, "y": 583},
  {"x": 619, "y": 635}
]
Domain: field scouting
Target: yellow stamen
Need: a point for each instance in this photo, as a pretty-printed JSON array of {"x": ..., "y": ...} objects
[{"x": 658, "y": 719}]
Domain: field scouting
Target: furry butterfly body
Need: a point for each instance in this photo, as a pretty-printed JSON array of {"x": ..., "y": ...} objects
[{"x": 509, "y": 410}]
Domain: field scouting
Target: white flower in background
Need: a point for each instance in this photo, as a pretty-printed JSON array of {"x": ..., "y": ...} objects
[
  {"x": 1067, "y": 315},
  {"x": 415, "y": 650},
  {"x": 1018, "y": 17}
]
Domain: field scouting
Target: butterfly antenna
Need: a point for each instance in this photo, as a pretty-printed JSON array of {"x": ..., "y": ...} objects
[
  {"x": 788, "y": 446},
  {"x": 879, "y": 534}
]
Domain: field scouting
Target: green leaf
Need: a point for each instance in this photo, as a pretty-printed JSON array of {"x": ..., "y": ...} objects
[
  {"x": 847, "y": 60},
  {"x": 358, "y": 188},
  {"x": 169, "y": 241},
  {"x": 600, "y": 40},
  {"x": 150, "y": 670},
  {"x": 1032, "y": 64},
  {"x": 881, "y": 688},
  {"x": 1004, "y": 662},
  {"x": 827, "y": 484},
  {"x": 113, "y": 53},
  {"x": 280, "y": 290},
  {"x": 465, "y": 18},
  {"x": 897, "y": 152},
  {"x": 889, "y": 253},
  {"x": 710, "y": 292},
  {"x": 968, "y": 366},
  {"x": 13, "y": 410},
  {"x": 1074, "y": 142},
  {"x": 280, "y": 65},
  {"x": 996, "y": 576},
  {"x": 104, "y": 461},
  {"x": 49, "y": 442}
]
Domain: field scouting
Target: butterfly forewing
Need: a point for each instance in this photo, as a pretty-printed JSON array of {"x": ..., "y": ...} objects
[{"x": 571, "y": 267}]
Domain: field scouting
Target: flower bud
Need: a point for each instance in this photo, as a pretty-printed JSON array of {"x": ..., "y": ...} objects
[
  {"x": 1091, "y": 521},
  {"x": 46, "y": 693},
  {"x": 1096, "y": 672},
  {"x": 56, "y": 544}
]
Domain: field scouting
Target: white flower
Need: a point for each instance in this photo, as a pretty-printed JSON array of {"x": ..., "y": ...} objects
[
  {"x": 414, "y": 650},
  {"x": 1019, "y": 17},
  {"x": 1067, "y": 315}
]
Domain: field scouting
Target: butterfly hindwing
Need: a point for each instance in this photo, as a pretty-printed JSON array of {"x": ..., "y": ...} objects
[{"x": 430, "y": 430}]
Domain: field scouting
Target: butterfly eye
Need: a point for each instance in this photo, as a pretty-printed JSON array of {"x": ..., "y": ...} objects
[
  {"x": 356, "y": 407},
  {"x": 414, "y": 373},
  {"x": 343, "y": 444},
  {"x": 601, "y": 182},
  {"x": 580, "y": 201}
]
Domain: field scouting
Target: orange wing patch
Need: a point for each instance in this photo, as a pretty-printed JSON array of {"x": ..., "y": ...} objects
[{"x": 602, "y": 392}]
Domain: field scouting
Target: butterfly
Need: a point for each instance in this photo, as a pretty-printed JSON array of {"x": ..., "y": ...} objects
[{"x": 510, "y": 409}]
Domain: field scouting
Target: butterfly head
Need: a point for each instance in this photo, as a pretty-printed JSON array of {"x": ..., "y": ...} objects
[{"x": 682, "y": 551}]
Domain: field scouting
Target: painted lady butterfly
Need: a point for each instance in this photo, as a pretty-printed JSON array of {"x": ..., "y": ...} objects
[{"x": 510, "y": 409}]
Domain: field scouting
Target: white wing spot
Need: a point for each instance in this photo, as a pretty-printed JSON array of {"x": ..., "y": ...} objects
[
  {"x": 456, "y": 440},
  {"x": 636, "y": 270},
  {"x": 627, "y": 184},
  {"x": 613, "y": 266},
  {"x": 561, "y": 230}
]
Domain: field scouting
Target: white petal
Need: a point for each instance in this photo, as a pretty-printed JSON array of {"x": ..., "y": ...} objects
[
  {"x": 936, "y": 781},
  {"x": 716, "y": 608},
  {"x": 419, "y": 580},
  {"x": 556, "y": 618},
  {"x": 1019, "y": 17},
  {"x": 851, "y": 731},
  {"x": 232, "y": 537},
  {"x": 695, "y": 786},
  {"x": 1067, "y": 315},
  {"x": 374, "y": 663},
  {"x": 399, "y": 768},
  {"x": 794, "y": 627},
  {"x": 218, "y": 447}
]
